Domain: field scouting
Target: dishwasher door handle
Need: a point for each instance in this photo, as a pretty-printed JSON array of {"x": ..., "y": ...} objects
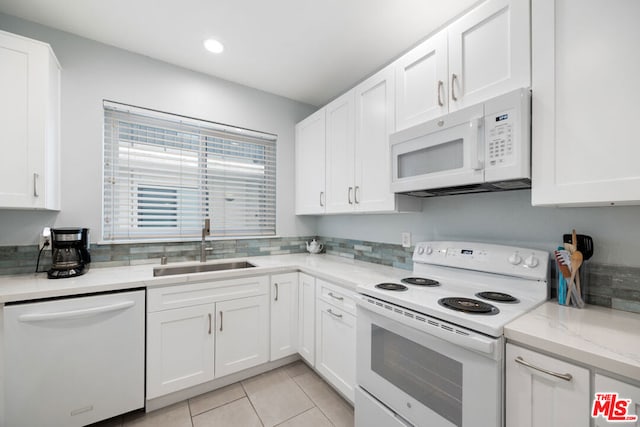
[{"x": 73, "y": 314}]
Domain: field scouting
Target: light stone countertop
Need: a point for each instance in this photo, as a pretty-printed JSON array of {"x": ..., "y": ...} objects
[
  {"x": 341, "y": 271},
  {"x": 604, "y": 338}
]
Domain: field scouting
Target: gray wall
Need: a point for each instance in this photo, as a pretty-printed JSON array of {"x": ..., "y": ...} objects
[
  {"x": 92, "y": 72},
  {"x": 506, "y": 218}
]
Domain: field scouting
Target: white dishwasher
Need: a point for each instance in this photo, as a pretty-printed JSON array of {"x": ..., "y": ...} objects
[{"x": 74, "y": 361}]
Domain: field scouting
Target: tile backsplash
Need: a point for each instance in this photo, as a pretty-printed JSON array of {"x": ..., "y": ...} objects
[
  {"x": 605, "y": 285},
  {"x": 22, "y": 259}
]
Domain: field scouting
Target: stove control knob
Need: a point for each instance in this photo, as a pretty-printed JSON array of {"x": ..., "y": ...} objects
[
  {"x": 429, "y": 250},
  {"x": 420, "y": 250},
  {"x": 515, "y": 258},
  {"x": 531, "y": 261}
]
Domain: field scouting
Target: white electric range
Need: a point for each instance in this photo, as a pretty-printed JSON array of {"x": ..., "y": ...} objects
[{"x": 430, "y": 347}]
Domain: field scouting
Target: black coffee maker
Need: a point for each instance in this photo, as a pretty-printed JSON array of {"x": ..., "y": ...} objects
[{"x": 69, "y": 252}]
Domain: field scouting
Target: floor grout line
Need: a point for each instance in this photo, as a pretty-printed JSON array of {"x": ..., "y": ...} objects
[
  {"x": 251, "y": 403},
  {"x": 311, "y": 398}
]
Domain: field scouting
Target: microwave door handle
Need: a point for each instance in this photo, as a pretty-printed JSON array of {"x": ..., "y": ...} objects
[{"x": 476, "y": 163}]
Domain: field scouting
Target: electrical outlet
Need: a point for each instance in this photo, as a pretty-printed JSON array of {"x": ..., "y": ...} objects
[
  {"x": 45, "y": 239},
  {"x": 406, "y": 239}
]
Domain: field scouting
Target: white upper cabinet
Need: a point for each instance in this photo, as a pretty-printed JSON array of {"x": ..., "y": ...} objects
[
  {"x": 422, "y": 82},
  {"x": 375, "y": 121},
  {"x": 355, "y": 148},
  {"x": 584, "y": 106},
  {"x": 310, "y": 164},
  {"x": 29, "y": 124},
  {"x": 489, "y": 52},
  {"x": 483, "y": 54},
  {"x": 340, "y": 146}
]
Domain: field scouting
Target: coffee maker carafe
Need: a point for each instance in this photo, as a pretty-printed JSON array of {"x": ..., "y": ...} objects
[{"x": 69, "y": 252}]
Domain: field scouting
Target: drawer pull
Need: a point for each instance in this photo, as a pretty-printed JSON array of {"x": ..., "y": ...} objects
[
  {"x": 339, "y": 316},
  {"x": 335, "y": 297},
  {"x": 565, "y": 377}
]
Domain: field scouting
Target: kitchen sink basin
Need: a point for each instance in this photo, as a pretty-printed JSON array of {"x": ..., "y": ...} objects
[{"x": 200, "y": 268}]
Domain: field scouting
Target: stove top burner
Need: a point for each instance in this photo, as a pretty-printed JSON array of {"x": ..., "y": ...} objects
[
  {"x": 468, "y": 305},
  {"x": 392, "y": 287},
  {"x": 498, "y": 297},
  {"x": 420, "y": 281}
]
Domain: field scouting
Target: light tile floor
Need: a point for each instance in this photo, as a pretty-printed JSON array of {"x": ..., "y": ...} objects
[{"x": 291, "y": 396}]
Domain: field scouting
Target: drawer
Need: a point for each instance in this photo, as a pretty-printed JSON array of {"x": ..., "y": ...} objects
[
  {"x": 336, "y": 296},
  {"x": 169, "y": 297}
]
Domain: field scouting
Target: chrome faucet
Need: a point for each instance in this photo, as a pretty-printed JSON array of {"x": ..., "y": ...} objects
[{"x": 206, "y": 230}]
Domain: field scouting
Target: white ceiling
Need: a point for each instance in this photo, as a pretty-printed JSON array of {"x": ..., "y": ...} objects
[{"x": 306, "y": 50}]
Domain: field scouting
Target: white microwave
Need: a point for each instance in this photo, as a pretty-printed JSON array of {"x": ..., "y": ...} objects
[{"x": 486, "y": 147}]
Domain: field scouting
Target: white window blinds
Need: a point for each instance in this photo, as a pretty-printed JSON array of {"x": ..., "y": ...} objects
[{"x": 164, "y": 174}]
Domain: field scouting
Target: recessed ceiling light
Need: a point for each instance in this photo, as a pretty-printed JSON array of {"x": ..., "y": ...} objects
[{"x": 213, "y": 46}]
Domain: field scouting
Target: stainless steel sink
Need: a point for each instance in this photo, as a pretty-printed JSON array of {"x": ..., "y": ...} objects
[{"x": 200, "y": 268}]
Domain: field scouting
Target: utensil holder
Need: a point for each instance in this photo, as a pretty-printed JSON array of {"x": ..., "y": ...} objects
[{"x": 563, "y": 285}]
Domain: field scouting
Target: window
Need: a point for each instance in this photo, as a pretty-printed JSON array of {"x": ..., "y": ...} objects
[{"x": 164, "y": 174}]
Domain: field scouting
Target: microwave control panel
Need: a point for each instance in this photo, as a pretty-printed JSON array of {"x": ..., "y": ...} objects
[{"x": 500, "y": 138}]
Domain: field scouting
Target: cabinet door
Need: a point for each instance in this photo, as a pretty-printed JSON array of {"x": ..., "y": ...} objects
[
  {"x": 242, "y": 334},
  {"x": 421, "y": 82},
  {"x": 284, "y": 315},
  {"x": 604, "y": 384},
  {"x": 336, "y": 347},
  {"x": 535, "y": 398},
  {"x": 307, "y": 318},
  {"x": 489, "y": 52},
  {"x": 29, "y": 120},
  {"x": 310, "y": 164},
  {"x": 375, "y": 102},
  {"x": 179, "y": 349},
  {"x": 584, "y": 110},
  {"x": 340, "y": 145}
]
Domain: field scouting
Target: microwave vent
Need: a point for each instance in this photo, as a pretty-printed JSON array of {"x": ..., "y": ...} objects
[{"x": 487, "y": 187}]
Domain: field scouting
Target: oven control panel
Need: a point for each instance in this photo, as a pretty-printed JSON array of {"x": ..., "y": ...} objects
[{"x": 498, "y": 259}]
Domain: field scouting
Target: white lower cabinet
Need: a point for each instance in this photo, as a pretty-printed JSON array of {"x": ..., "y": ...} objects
[
  {"x": 201, "y": 331},
  {"x": 336, "y": 345},
  {"x": 179, "y": 349},
  {"x": 307, "y": 318},
  {"x": 605, "y": 384},
  {"x": 242, "y": 334},
  {"x": 284, "y": 315},
  {"x": 542, "y": 391}
]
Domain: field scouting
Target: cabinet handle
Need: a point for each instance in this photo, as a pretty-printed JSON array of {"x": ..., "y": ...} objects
[
  {"x": 454, "y": 77},
  {"x": 440, "y": 88},
  {"x": 220, "y": 321},
  {"x": 339, "y": 316},
  {"x": 565, "y": 377},
  {"x": 321, "y": 195},
  {"x": 209, "y": 323},
  {"x": 355, "y": 194},
  {"x": 349, "y": 195},
  {"x": 35, "y": 184},
  {"x": 276, "y": 298},
  {"x": 333, "y": 296}
]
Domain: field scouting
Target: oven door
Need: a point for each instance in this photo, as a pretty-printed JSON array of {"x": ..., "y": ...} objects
[
  {"x": 428, "y": 380},
  {"x": 446, "y": 152}
]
